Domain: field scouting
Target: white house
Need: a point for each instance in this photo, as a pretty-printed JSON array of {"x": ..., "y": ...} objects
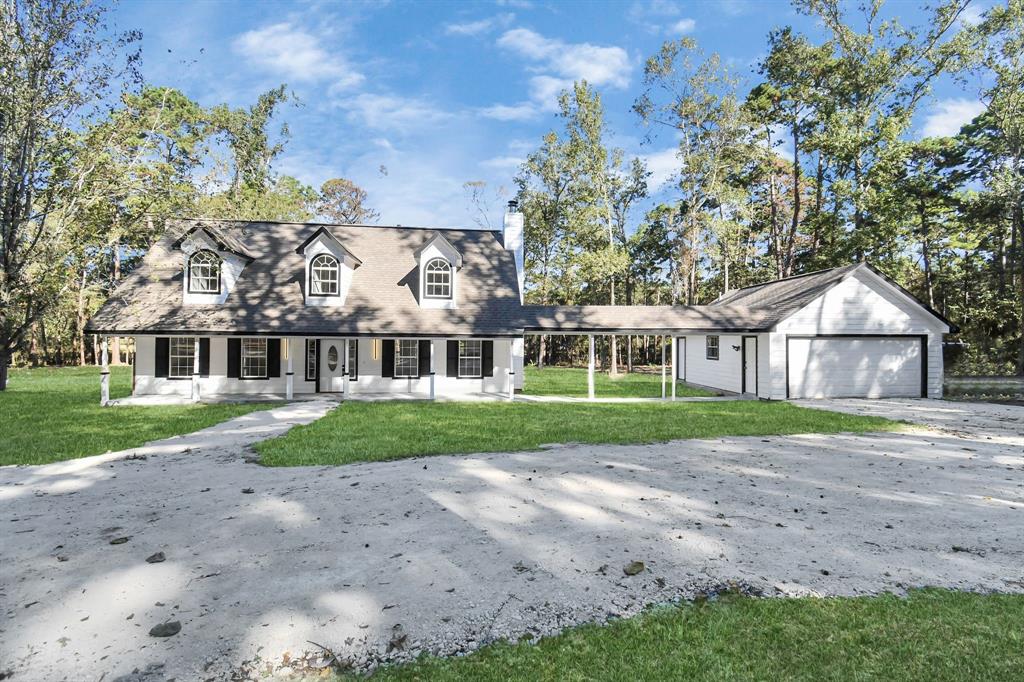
[{"x": 233, "y": 308}]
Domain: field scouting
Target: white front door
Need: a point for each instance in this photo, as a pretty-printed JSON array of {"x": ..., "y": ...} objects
[
  {"x": 750, "y": 364},
  {"x": 332, "y": 365}
]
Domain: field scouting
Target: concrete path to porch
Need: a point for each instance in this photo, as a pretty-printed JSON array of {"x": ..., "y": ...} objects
[{"x": 443, "y": 554}]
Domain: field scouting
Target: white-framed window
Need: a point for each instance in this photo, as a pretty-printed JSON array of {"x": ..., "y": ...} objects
[
  {"x": 471, "y": 358},
  {"x": 323, "y": 275},
  {"x": 407, "y": 358},
  {"x": 711, "y": 347},
  {"x": 182, "y": 357},
  {"x": 438, "y": 279},
  {"x": 254, "y": 358},
  {"x": 310, "y": 359},
  {"x": 204, "y": 273}
]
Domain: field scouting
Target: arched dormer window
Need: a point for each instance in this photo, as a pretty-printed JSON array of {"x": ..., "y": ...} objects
[
  {"x": 438, "y": 279},
  {"x": 323, "y": 276},
  {"x": 204, "y": 273}
]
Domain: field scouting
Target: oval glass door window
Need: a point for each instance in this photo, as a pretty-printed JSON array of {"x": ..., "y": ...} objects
[{"x": 332, "y": 358}]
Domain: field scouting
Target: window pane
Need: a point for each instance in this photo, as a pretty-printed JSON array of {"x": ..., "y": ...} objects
[
  {"x": 407, "y": 358},
  {"x": 254, "y": 358},
  {"x": 204, "y": 273},
  {"x": 181, "y": 357},
  {"x": 438, "y": 279},
  {"x": 310, "y": 360},
  {"x": 324, "y": 276},
  {"x": 470, "y": 358}
]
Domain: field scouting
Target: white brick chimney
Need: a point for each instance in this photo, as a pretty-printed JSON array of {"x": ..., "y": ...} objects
[{"x": 512, "y": 238}]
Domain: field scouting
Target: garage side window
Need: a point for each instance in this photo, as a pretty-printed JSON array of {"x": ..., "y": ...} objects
[{"x": 711, "y": 347}]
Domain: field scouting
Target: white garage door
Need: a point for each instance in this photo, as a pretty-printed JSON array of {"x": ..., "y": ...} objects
[{"x": 855, "y": 367}]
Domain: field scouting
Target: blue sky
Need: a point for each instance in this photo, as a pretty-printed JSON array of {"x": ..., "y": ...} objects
[{"x": 411, "y": 100}]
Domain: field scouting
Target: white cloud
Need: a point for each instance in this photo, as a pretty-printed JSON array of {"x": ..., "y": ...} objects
[
  {"x": 560, "y": 64},
  {"x": 392, "y": 113},
  {"x": 971, "y": 16},
  {"x": 292, "y": 52},
  {"x": 503, "y": 163},
  {"x": 684, "y": 26},
  {"x": 663, "y": 166},
  {"x": 474, "y": 28},
  {"x": 948, "y": 115},
  {"x": 597, "y": 64},
  {"x": 524, "y": 111}
]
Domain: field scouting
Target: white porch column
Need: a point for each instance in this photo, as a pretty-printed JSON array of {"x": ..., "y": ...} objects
[
  {"x": 345, "y": 388},
  {"x": 104, "y": 375},
  {"x": 590, "y": 368},
  {"x": 195, "y": 369},
  {"x": 662, "y": 366},
  {"x": 511, "y": 371},
  {"x": 433, "y": 394},
  {"x": 289, "y": 375},
  {"x": 673, "y": 365}
]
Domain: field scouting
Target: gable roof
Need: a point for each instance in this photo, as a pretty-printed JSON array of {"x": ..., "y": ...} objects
[
  {"x": 268, "y": 296},
  {"x": 328, "y": 235},
  {"x": 786, "y": 296},
  {"x": 224, "y": 240},
  {"x": 435, "y": 236}
]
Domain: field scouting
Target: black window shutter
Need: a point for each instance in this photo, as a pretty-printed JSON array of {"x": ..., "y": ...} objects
[
  {"x": 387, "y": 360},
  {"x": 163, "y": 356},
  {"x": 453, "y": 359},
  {"x": 234, "y": 358},
  {"x": 274, "y": 357},
  {"x": 487, "y": 359},
  {"x": 424, "y": 358},
  {"x": 204, "y": 357},
  {"x": 353, "y": 371}
]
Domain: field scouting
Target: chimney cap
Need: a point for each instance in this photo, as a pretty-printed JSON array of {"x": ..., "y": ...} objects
[{"x": 513, "y": 206}]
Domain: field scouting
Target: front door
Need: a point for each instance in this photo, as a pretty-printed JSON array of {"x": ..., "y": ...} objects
[
  {"x": 332, "y": 365},
  {"x": 750, "y": 364}
]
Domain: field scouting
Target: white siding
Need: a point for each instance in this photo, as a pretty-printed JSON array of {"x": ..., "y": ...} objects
[
  {"x": 862, "y": 304},
  {"x": 369, "y": 379},
  {"x": 724, "y": 373}
]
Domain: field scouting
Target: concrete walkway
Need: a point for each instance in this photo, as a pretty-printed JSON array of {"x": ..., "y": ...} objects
[{"x": 381, "y": 561}]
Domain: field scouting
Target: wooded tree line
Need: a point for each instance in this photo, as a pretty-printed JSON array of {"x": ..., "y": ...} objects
[
  {"x": 93, "y": 161},
  {"x": 812, "y": 165}
]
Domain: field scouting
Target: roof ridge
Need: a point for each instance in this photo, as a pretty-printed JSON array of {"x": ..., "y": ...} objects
[
  {"x": 321, "y": 223},
  {"x": 849, "y": 266}
]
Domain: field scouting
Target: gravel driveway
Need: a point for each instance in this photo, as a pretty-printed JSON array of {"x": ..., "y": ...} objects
[{"x": 380, "y": 561}]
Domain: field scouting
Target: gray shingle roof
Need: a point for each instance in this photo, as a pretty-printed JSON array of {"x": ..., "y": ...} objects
[{"x": 268, "y": 297}]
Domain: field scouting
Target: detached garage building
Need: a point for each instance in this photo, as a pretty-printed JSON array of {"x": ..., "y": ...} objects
[{"x": 844, "y": 332}]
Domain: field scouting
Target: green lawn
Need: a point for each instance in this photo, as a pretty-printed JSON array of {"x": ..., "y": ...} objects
[
  {"x": 572, "y": 381},
  {"x": 385, "y": 430},
  {"x": 53, "y": 414},
  {"x": 928, "y": 635}
]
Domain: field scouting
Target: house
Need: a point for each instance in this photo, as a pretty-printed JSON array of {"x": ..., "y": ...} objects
[{"x": 264, "y": 308}]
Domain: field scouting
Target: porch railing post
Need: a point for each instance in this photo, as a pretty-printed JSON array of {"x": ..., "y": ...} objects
[
  {"x": 590, "y": 367},
  {"x": 662, "y": 366},
  {"x": 104, "y": 375}
]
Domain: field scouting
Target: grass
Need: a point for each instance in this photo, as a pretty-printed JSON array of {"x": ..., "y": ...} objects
[
  {"x": 53, "y": 414},
  {"x": 927, "y": 635},
  {"x": 571, "y": 381},
  {"x": 386, "y": 430}
]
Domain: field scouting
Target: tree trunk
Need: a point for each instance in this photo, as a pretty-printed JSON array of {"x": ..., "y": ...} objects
[
  {"x": 540, "y": 352},
  {"x": 5, "y": 358},
  {"x": 47, "y": 357},
  {"x": 791, "y": 240},
  {"x": 612, "y": 348},
  {"x": 925, "y": 256},
  {"x": 115, "y": 341},
  {"x": 80, "y": 326},
  {"x": 1018, "y": 226}
]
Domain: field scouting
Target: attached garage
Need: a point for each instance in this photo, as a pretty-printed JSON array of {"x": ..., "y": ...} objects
[{"x": 856, "y": 366}]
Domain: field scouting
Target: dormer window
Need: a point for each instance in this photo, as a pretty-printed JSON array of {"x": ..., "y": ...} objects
[
  {"x": 204, "y": 273},
  {"x": 438, "y": 279},
  {"x": 323, "y": 275}
]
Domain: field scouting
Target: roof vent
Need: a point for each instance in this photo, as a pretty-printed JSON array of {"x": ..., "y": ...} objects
[{"x": 513, "y": 206}]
